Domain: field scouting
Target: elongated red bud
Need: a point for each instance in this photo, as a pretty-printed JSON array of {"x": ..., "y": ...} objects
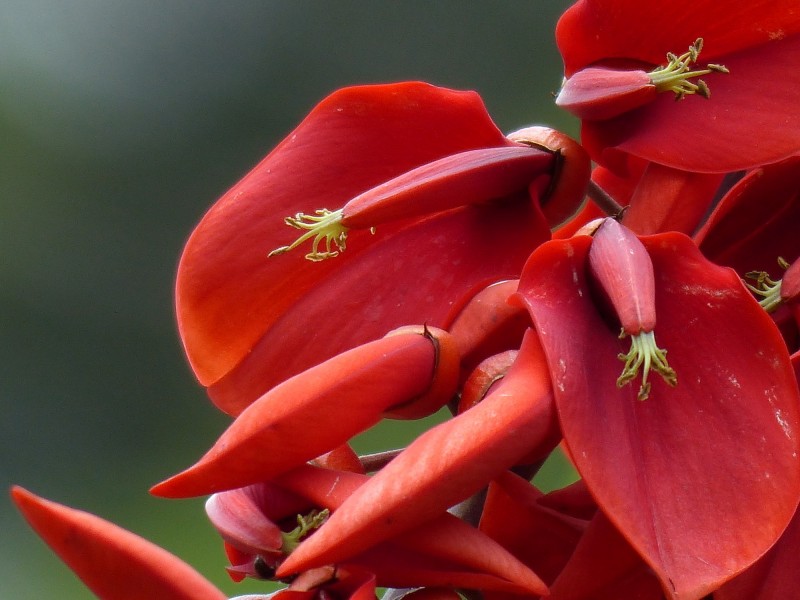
[
  {"x": 598, "y": 93},
  {"x": 322, "y": 408},
  {"x": 621, "y": 266}
]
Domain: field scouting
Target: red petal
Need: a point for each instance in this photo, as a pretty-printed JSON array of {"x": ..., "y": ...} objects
[
  {"x": 539, "y": 537},
  {"x": 444, "y": 465},
  {"x": 666, "y": 199},
  {"x": 450, "y": 182},
  {"x": 756, "y": 221},
  {"x": 114, "y": 563},
  {"x": 228, "y": 293},
  {"x": 775, "y": 575},
  {"x": 700, "y": 478},
  {"x": 750, "y": 119},
  {"x": 446, "y": 541},
  {"x": 597, "y": 93},
  {"x": 594, "y": 30},
  {"x": 310, "y": 414}
]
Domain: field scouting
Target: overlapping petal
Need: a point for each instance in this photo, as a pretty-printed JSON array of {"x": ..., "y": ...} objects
[
  {"x": 446, "y": 464},
  {"x": 663, "y": 469},
  {"x": 249, "y": 322}
]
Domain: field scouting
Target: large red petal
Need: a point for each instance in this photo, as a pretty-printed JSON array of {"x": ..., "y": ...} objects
[
  {"x": 750, "y": 119},
  {"x": 114, "y": 563},
  {"x": 700, "y": 478},
  {"x": 594, "y": 30},
  {"x": 228, "y": 293}
]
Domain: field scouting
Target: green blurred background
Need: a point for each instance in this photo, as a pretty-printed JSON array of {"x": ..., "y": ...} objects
[{"x": 120, "y": 124}]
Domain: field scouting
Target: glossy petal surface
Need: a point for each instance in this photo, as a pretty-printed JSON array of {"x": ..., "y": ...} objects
[
  {"x": 700, "y": 478},
  {"x": 114, "y": 563},
  {"x": 236, "y": 307}
]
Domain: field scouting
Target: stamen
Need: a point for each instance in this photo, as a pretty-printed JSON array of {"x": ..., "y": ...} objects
[
  {"x": 765, "y": 287},
  {"x": 674, "y": 77},
  {"x": 305, "y": 525},
  {"x": 646, "y": 354},
  {"x": 326, "y": 225}
]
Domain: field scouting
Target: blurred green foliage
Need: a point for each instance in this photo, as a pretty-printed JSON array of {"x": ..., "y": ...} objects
[{"x": 120, "y": 124}]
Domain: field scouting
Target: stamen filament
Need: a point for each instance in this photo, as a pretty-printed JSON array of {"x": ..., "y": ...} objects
[
  {"x": 674, "y": 77},
  {"x": 646, "y": 354},
  {"x": 326, "y": 225},
  {"x": 765, "y": 287},
  {"x": 305, "y": 525}
]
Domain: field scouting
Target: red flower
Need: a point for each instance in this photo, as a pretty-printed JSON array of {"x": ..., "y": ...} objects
[
  {"x": 454, "y": 204},
  {"x": 615, "y": 62},
  {"x": 114, "y": 563},
  {"x": 703, "y": 475}
]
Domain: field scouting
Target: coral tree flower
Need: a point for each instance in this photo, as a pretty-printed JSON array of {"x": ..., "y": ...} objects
[
  {"x": 114, "y": 563},
  {"x": 616, "y": 65},
  {"x": 452, "y": 202},
  {"x": 703, "y": 476}
]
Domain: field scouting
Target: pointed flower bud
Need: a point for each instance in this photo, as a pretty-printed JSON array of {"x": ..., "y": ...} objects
[
  {"x": 597, "y": 93},
  {"x": 621, "y": 266}
]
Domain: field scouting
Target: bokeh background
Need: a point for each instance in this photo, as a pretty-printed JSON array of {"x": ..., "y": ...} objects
[{"x": 121, "y": 121}]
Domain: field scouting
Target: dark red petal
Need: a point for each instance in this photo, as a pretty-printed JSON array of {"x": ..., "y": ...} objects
[
  {"x": 310, "y": 414},
  {"x": 228, "y": 293},
  {"x": 701, "y": 478},
  {"x": 756, "y": 221},
  {"x": 775, "y": 575},
  {"x": 114, "y": 563},
  {"x": 539, "y": 537},
  {"x": 444, "y": 465},
  {"x": 445, "y": 543},
  {"x": 667, "y": 199},
  {"x": 748, "y": 121},
  {"x": 593, "y": 30},
  {"x": 605, "y": 567}
]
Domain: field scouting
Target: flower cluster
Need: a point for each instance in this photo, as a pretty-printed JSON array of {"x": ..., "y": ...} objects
[{"x": 632, "y": 300}]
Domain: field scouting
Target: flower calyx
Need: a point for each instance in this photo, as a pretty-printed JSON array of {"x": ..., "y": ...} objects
[{"x": 675, "y": 76}]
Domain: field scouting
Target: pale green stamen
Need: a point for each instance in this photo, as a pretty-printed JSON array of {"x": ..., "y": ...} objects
[
  {"x": 305, "y": 525},
  {"x": 326, "y": 225},
  {"x": 646, "y": 354},
  {"x": 765, "y": 287},
  {"x": 674, "y": 77}
]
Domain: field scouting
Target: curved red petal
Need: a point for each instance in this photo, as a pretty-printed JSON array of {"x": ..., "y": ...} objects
[
  {"x": 748, "y": 121},
  {"x": 593, "y": 30},
  {"x": 310, "y": 414},
  {"x": 446, "y": 464},
  {"x": 114, "y": 563},
  {"x": 702, "y": 477},
  {"x": 228, "y": 293},
  {"x": 756, "y": 221}
]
